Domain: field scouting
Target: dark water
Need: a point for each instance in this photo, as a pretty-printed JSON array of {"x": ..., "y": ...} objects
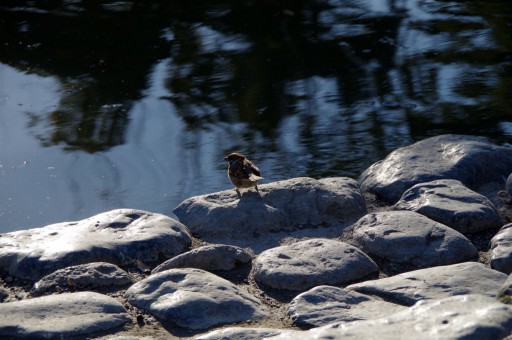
[{"x": 134, "y": 104}]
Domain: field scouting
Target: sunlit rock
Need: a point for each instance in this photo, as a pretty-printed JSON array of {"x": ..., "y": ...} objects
[
  {"x": 456, "y": 317},
  {"x": 285, "y": 205},
  {"x": 119, "y": 236},
  {"x": 239, "y": 333},
  {"x": 501, "y": 249},
  {"x": 410, "y": 238},
  {"x": 435, "y": 283},
  {"x": 302, "y": 265},
  {"x": 452, "y": 204},
  {"x": 470, "y": 160},
  {"x": 62, "y": 316},
  {"x": 194, "y": 299},
  {"x": 97, "y": 274},
  {"x": 211, "y": 257},
  {"x": 325, "y": 304}
]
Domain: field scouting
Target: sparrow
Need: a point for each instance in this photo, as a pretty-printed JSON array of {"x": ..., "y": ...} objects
[{"x": 242, "y": 172}]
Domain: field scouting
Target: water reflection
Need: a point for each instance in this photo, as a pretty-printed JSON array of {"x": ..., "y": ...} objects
[{"x": 133, "y": 104}]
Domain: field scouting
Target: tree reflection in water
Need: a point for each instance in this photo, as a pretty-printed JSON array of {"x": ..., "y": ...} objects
[{"x": 316, "y": 88}]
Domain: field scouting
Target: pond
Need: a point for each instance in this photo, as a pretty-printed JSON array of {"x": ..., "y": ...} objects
[{"x": 134, "y": 104}]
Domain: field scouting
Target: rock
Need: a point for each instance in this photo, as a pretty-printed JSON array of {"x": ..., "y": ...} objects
[
  {"x": 501, "y": 250},
  {"x": 3, "y": 294},
  {"x": 239, "y": 333},
  {"x": 211, "y": 257},
  {"x": 505, "y": 291},
  {"x": 449, "y": 202},
  {"x": 434, "y": 283},
  {"x": 458, "y": 317},
  {"x": 408, "y": 237},
  {"x": 285, "y": 205},
  {"x": 471, "y": 160},
  {"x": 310, "y": 263},
  {"x": 61, "y": 316},
  {"x": 325, "y": 304},
  {"x": 508, "y": 185},
  {"x": 85, "y": 275},
  {"x": 118, "y": 236},
  {"x": 194, "y": 299}
]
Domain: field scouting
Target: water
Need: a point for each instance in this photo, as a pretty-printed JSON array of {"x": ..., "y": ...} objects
[{"x": 106, "y": 105}]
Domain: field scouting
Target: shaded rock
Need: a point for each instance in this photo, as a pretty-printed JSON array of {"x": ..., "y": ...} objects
[
  {"x": 505, "y": 291},
  {"x": 434, "y": 283},
  {"x": 325, "y": 304},
  {"x": 194, "y": 299},
  {"x": 471, "y": 160},
  {"x": 310, "y": 263},
  {"x": 119, "y": 236},
  {"x": 85, "y": 275},
  {"x": 211, "y": 257},
  {"x": 285, "y": 205},
  {"x": 239, "y": 333},
  {"x": 61, "y": 316},
  {"x": 459, "y": 317},
  {"x": 452, "y": 204},
  {"x": 408, "y": 237},
  {"x": 501, "y": 250},
  {"x": 3, "y": 294},
  {"x": 508, "y": 185}
]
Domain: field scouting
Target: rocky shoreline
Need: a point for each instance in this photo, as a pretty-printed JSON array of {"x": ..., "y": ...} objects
[{"x": 418, "y": 247}]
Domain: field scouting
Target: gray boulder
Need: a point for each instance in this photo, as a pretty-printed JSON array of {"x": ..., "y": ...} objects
[
  {"x": 508, "y": 185},
  {"x": 3, "y": 294},
  {"x": 194, "y": 299},
  {"x": 325, "y": 304},
  {"x": 95, "y": 274},
  {"x": 310, "y": 263},
  {"x": 435, "y": 283},
  {"x": 408, "y": 237},
  {"x": 285, "y": 205},
  {"x": 211, "y": 257},
  {"x": 471, "y": 160},
  {"x": 449, "y": 202},
  {"x": 505, "y": 291},
  {"x": 119, "y": 236},
  {"x": 61, "y": 316},
  {"x": 239, "y": 333},
  {"x": 459, "y": 317},
  {"x": 501, "y": 250}
]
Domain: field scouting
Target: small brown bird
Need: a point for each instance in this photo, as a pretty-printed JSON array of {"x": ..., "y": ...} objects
[{"x": 242, "y": 172}]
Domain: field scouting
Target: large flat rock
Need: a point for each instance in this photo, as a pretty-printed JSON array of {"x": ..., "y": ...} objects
[
  {"x": 323, "y": 305},
  {"x": 408, "y": 237},
  {"x": 474, "y": 317},
  {"x": 194, "y": 299},
  {"x": 119, "y": 236},
  {"x": 449, "y": 202},
  {"x": 435, "y": 283},
  {"x": 473, "y": 161},
  {"x": 501, "y": 249},
  {"x": 61, "y": 316},
  {"x": 302, "y": 265},
  {"x": 284, "y": 205},
  {"x": 239, "y": 333}
]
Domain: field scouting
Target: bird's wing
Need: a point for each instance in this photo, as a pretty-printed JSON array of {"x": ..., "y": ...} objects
[{"x": 252, "y": 170}]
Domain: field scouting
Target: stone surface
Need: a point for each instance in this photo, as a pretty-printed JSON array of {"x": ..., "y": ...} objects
[
  {"x": 408, "y": 237},
  {"x": 3, "y": 294},
  {"x": 471, "y": 160},
  {"x": 501, "y": 250},
  {"x": 325, "y": 304},
  {"x": 118, "y": 236},
  {"x": 284, "y": 205},
  {"x": 508, "y": 185},
  {"x": 505, "y": 291},
  {"x": 61, "y": 316},
  {"x": 194, "y": 299},
  {"x": 239, "y": 333},
  {"x": 435, "y": 283},
  {"x": 475, "y": 317},
  {"x": 310, "y": 263},
  {"x": 81, "y": 276},
  {"x": 211, "y": 257},
  {"x": 451, "y": 203}
]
